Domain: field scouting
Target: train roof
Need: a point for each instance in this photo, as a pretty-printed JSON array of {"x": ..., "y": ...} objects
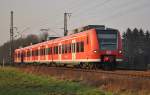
[
  {"x": 82, "y": 29},
  {"x": 53, "y": 41}
]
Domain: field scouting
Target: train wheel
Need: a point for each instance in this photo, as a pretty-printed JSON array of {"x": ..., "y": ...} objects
[
  {"x": 90, "y": 66},
  {"x": 94, "y": 66},
  {"x": 83, "y": 65},
  {"x": 109, "y": 66}
]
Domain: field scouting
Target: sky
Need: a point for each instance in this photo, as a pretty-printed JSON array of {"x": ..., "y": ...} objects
[{"x": 30, "y": 16}]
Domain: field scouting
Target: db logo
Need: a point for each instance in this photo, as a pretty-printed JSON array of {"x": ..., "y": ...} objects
[{"x": 108, "y": 52}]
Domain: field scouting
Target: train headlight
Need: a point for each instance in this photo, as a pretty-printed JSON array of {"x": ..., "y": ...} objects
[
  {"x": 120, "y": 51},
  {"x": 95, "y": 51}
]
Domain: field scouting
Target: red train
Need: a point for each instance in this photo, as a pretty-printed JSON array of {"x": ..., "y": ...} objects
[{"x": 92, "y": 47}]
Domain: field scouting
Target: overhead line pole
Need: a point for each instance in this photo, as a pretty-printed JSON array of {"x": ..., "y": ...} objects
[
  {"x": 65, "y": 23},
  {"x": 11, "y": 38}
]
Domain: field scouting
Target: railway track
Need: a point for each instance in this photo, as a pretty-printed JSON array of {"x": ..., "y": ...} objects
[
  {"x": 116, "y": 73},
  {"x": 123, "y": 73}
]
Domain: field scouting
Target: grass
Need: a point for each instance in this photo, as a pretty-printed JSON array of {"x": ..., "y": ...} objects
[{"x": 14, "y": 82}]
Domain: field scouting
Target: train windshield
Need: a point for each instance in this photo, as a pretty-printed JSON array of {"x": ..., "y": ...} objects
[{"x": 107, "y": 39}]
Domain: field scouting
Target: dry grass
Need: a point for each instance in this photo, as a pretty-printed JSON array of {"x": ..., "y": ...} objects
[{"x": 116, "y": 84}]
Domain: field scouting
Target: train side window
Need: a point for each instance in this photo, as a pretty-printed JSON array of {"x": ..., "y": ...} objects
[
  {"x": 78, "y": 47},
  {"x": 69, "y": 48},
  {"x": 82, "y": 46},
  {"x": 22, "y": 54},
  {"x": 56, "y": 48},
  {"x": 63, "y": 47},
  {"x": 66, "y": 48},
  {"x": 51, "y": 51},
  {"x": 28, "y": 53},
  {"x": 44, "y": 51},
  {"x": 36, "y": 52},
  {"x": 74, "y": 47},
  {"x": 48, "y": 51},
  {"x": 40, "y": 51},
  {"x": 32, "y": 52}
]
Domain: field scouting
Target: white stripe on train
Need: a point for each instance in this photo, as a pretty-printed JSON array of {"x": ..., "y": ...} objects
[{"x": 79, "y": 60}]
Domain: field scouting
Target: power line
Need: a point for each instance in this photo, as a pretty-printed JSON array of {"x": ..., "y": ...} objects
[
  {"x": 126, "y": 12},
  {"x": 91, "y": 8},
  {"x": 86, "y": 13},
  {"x": 84, "y": 16},
  {"x": 114, "y": 9},
  {"x": 58, "y": 14}
]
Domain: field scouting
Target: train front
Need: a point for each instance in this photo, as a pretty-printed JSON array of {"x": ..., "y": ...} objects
[{"x": 110, "y": 47}]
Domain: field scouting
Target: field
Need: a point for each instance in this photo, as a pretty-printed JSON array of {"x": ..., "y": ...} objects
[
  {"x": 14, "y": 82},
  {"x": 117, "y": 84}
]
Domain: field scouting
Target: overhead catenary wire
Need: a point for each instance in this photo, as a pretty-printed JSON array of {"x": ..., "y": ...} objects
[
  {"x": 88, "y": 15},
  {"x": 124, "y": 12},
  {"x": 100, "y": 18},
  {"x": 102, "y": 10},
  {"x": 91, "y": 7}
]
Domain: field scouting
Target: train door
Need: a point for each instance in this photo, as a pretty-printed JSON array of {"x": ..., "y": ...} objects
[
  {"x": 59, "y": 52},
  {"x": 22, "y": 57},
  {"x": 73, "y": 49}
]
